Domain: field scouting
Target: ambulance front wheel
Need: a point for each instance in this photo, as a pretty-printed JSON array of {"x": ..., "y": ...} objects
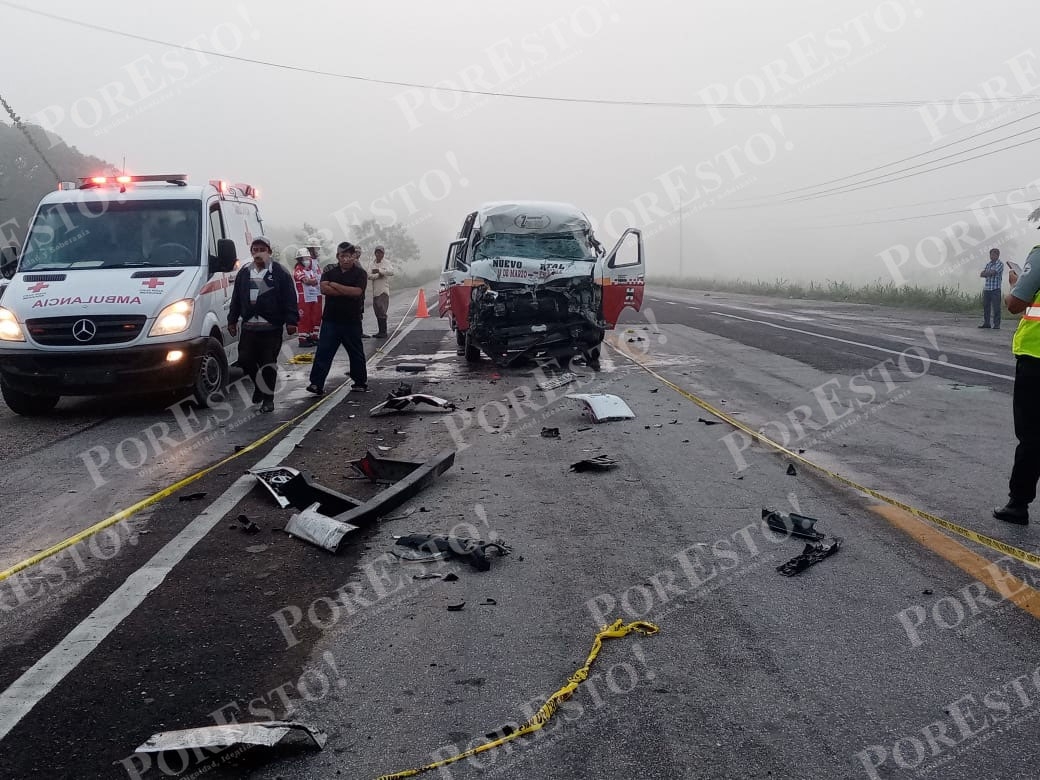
[
  {"x": 211, "y": 376},
  {"x": 25, "y": 404}
]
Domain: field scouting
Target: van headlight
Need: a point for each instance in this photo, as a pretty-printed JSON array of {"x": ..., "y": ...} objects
[
  {"x": 173, "y": 319},
  {"x": 10, "y": 329}
]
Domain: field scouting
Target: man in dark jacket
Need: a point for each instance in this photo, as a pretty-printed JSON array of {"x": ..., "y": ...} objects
[
  {"x": 343, "y": 286},
  {"x": 264, "y": 298}
]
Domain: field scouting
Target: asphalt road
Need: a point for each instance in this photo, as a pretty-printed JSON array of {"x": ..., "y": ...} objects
[{"x": 900, "y": 656}]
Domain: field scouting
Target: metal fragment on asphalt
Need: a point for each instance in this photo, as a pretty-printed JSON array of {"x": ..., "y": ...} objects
[
  {"x": 314, "y": 527},
  {"x": 559, "y": 381},
  {"x": 603, "y": 407},
  {"x": 266, "y": 733},
  {"x": 792, "y": 524}
]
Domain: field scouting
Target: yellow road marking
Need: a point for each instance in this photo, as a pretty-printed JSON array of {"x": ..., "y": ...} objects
[{"x": 1004, "y": 548}]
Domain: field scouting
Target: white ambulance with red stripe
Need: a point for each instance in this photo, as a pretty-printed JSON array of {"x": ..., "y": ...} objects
[
  {"x": 528, "y": 280},
  {"x": 123, "y": 286}
]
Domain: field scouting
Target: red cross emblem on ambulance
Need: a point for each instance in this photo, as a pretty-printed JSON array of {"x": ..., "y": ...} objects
[{"x": 152, "y": 283}]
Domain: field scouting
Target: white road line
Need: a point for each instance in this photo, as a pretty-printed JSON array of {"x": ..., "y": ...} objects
[
  {"x": 861, "y": 344},
  {"x": 29, "y": 689}
]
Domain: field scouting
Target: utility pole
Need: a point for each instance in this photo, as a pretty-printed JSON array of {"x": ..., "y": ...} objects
[{"x": 680, "y": 238}]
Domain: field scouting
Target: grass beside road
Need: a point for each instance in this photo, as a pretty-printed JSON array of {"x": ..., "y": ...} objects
[{"x": 909, "y": 296}]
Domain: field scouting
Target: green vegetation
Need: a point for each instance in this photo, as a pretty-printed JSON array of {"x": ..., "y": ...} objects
[{"x": 908, "y": 296}]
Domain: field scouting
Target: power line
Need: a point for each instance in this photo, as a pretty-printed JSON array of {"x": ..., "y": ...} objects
[
  {"x": 902, "y": 160},
  {"x": 32, "y": 142},
  {"x": 518, "y": 96},
  {"x": 853, "y": 186},
  {"x": 843, "y": 190}
]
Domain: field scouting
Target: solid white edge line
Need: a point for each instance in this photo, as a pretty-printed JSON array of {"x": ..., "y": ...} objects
[
  {"x": 39, "y": 680},
  {"x": 943, "y": 363}
]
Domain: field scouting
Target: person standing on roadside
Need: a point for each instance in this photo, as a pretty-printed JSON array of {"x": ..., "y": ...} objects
[
  {"x": 308, "y": 295},
  {"x": 1023, "y": 299},
  {"x": 343, "y": 286},
  {"x": 379, "y": 275},
  {"x": 993, "y": 273},
  {"x": 264, "y": 298}
]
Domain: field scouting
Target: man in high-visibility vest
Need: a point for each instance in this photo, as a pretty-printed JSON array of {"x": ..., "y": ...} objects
[{"x": 1024, "y": 299}]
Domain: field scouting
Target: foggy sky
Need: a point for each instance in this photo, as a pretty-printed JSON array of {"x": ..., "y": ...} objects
[{"x": 316, "y": 144}]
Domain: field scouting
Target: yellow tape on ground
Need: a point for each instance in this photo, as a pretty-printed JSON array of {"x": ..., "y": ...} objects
[
  {"x": 123, "y": 514},
  {"x": 133, "y": 509},
  {"x": 966, "y": 533},
  {"x": 301, "y": 358},
  {"x": 614, "y": 631}
]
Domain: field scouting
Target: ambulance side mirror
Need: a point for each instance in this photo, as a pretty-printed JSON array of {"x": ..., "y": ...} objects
[
  {"x": 226, "y": 257},
  {"x": 8, "y": 261}
]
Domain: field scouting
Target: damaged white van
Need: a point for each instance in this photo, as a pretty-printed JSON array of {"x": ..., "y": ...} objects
[
  {"x": 529, "y": 280},
  {"x": 123, "y": 286}
]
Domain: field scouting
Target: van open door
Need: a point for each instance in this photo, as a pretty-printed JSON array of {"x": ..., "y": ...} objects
[
  {"x": 622, "y": 276},
  {"x": 451, "y": 276}
]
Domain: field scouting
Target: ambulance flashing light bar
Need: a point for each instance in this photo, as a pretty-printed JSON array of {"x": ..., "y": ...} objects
[{"x": 181, "y": 179}]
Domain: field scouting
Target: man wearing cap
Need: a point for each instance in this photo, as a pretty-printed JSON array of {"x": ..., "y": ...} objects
[
  {"x": 343, "y": 286},
  {"x": 264, "y": 298},
  {"x": 379, "y": 275}
]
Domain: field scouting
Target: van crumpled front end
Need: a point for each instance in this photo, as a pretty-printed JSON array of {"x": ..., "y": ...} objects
[{"x": 557, "y": 318}]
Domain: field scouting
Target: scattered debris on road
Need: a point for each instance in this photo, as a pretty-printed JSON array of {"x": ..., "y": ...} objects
[
  {"x": 599, "y": 463},
  {"x": 266, "y": 733},
  {"x": 274, "y": 479},
  {"x": 456, "y": 607},
  {"x": 328, "y": 515},
  {"x": 559, "y": 381},
  {"x": 303, "y": 357},
  {"x": 603, "y": 407},
  {"x": 411, "y": 368},
  {"x": 791, "y": 470},
  {"x": 314, "y": 527},
  {"x": 192, "y": 497},
  {"x": 404, "y": 400},
  {"x": 814, "y": 552},
  {"x": 792, "y": 524},
  {"x": 473, "y": 551},
  {"x": 550, "y": 433},
  {"x": 707, "y": 422}
]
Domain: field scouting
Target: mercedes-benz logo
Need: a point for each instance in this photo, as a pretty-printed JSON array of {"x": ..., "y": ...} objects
[{"x": 84, "y": 330}]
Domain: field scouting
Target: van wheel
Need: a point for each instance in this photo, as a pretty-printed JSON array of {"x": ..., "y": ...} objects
[
  {"x": 25, "y": 404},
  {"x": 592, "y": 358},
  {"x": 211, "y": 378},
  {"x": 472, "y": 350}
]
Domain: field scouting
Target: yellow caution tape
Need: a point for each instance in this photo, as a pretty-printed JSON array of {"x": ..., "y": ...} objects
[
  {"x": 101, "y": 525},
  {"x": 614, "y": 631},
  {"x": 986, "y": 541},
  {"x": 302, "y": 357}
]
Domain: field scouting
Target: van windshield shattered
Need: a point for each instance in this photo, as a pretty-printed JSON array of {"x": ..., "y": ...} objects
[
  {"x": 133, "y": 234},
  {"x": 535, "y": 246}
]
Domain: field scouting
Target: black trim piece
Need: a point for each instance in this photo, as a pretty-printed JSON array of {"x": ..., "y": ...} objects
[
  {"x": 154, "y": 274},
  {"x": 44, "y": 278}
]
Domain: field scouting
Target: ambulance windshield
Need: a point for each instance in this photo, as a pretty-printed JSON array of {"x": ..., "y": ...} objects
[{"x": 105, "y": 234}]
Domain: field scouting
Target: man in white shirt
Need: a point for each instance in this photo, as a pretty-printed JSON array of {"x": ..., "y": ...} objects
[{"x": 379, "y": 275}]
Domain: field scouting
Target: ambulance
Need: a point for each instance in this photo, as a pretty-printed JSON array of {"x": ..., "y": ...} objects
[
  {"x": 528, "y": 280},
  {"x": 123, "y": 286}
]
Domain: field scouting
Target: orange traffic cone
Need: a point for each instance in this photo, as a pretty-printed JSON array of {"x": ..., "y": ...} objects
[{"x": 420, "y": 309}]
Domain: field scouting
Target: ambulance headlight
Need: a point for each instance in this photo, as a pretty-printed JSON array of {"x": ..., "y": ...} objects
[
  {"x": 10, "y": 330},
  {"x": 173, "y": 319}
]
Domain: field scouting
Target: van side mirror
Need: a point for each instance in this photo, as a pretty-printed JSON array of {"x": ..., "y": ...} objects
[
  {"x": 227, "y": 256},
  {"x": 8, "y": 261}
]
